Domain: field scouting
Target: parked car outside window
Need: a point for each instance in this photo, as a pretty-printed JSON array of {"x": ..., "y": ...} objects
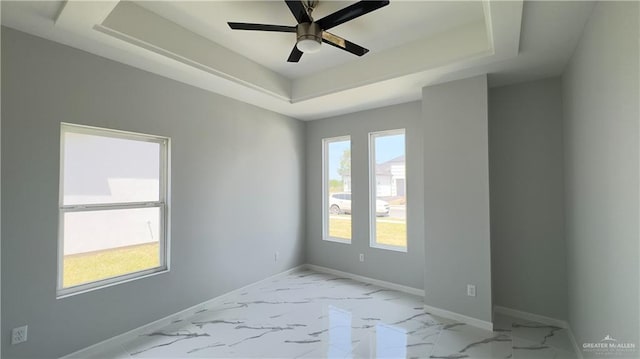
[{"x": 340, "y": 203}]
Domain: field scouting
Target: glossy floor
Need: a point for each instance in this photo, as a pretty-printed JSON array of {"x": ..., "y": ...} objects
[{"x": 307, "y": 314}]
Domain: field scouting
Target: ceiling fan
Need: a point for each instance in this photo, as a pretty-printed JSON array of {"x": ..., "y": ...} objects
[{"x": 310, "y": 33}]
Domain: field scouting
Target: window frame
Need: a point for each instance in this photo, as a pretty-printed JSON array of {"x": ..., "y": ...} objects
[
  {"x": 373, "y": 188},
  {"x": 325, "y": 189},
  {"x": 162, "y": 204}
]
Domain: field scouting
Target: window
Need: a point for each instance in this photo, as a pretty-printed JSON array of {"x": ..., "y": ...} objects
[
  {"x": 113, "y": 207},
  {"x": 336, "y": 189},
  {"x": 388, "y": 196}
]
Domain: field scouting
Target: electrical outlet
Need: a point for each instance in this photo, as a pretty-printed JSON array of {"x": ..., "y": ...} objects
[
  {"x": 471, "y": 290},
  {"x": 18, "y": 335},
  {"x": 361, "y": 257},
  {"x": 276, "y": 254}
]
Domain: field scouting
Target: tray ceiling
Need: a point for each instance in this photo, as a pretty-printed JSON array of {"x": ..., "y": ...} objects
[
  {"x": 397, "y": 24},
  {"x": 413, "y": 44}
]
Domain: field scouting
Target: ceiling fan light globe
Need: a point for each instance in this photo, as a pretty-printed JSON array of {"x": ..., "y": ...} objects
[{"x": 308, "y": 45}]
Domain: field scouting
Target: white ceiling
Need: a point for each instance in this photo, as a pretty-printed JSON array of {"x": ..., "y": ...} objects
[
  {"x": 413, "y": 44},
  {"x": 398, "y": 23}
]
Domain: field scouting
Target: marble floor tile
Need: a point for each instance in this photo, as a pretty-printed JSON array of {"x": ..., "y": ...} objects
[
  {"x": 307, "y": 314},
  {"x": 464, "y": 341},
  {"x": 529, "y": 349},
  {"x": 536, "y": 340}
]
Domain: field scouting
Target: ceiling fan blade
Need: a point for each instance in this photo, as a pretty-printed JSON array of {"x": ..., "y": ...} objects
[
  {"x": 298, "y": 11},
  {"x": 295, "y": 55},
  {"x": 343, "y": 44},
  {"x": 350, "y": 12},
  {"x": 261, "y": 27}
]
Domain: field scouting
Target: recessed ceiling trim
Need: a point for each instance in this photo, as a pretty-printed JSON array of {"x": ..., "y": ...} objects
[
  {"x": 160, "y": 51},
  {"x": 497, "y": 38},
  {"x": 469, "y": 41},
  {"x": 89, "y": 28},
  {"x": 81, "y": 15},
  {"x": 486, "y": 9},
  {"x": 138, "y": 26},
  {"x": 506, "y": 24},
  {"x": 164, "y": 37}
]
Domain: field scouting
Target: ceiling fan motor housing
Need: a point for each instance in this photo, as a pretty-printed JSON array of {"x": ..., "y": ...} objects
[{"x": 308, "y": 31}]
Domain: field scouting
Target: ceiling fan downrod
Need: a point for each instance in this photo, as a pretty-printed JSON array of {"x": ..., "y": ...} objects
[{"x": 309, "y": 6}]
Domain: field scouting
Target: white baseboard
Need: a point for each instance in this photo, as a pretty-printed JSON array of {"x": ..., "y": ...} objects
[
  {"x": 544, "y": 320},
  {"x": 415, "y": 291},
  {"x": 380, "y": 283},
  {"x": 459, "y": 317},
  {"x": 530, "y": 316},
  {"x": 124, "y": 337}
]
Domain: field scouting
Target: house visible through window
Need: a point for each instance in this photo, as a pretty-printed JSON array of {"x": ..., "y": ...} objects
[
  {"x": 336, "y": 189},
  {"x": 388, "y": 196},
  {"x": 113, "y": 207}
]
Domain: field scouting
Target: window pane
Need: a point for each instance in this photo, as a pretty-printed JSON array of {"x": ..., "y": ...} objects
[
  {"x": 110, "y": 243},
  {"x": 101, "y": 169},
  {"x": 338, "y": 188},
  {"x": 389, "y": 189}
]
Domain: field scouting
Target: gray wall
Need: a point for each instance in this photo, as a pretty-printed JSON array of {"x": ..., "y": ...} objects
[
  {"x": 600, "y": 105},
  {"x": 528, "y": 259},
  {"x": 0, "y": 178},
  {"x": 397, "y": 267},
  {"x": 456, "y": 201},
  {"x": 237, "y": 192}
]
